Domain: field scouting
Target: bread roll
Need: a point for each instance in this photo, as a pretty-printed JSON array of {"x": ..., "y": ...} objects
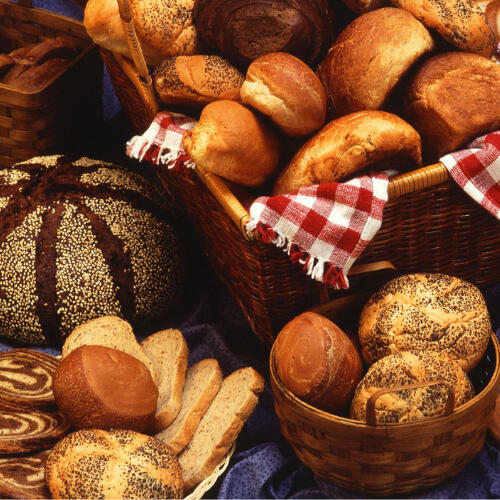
[
  {"x": 284, "y": 88},
  {"x": 164, "y": 27},
  {"x": 231, "y": 141},
  {"x": 459, "y": 22},
  {"x": 410, "y": 405},
  {"x": 492, "y": 12},
  {"x": 197, "y": 80},
  {"x": 453, "y": 98},
  {"x": 348, "y": 145},
  {"x": 94, "y": 463},
  {"x": 317, "y": 361},
  {"x": 431, "y": 312},
  {"x": 370, "y": 57},
  {"x": 100, "y": 387},
  {"x": 243, "y": 30}
]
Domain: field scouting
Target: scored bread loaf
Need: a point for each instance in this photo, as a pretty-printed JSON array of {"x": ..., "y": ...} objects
[
  {"x": 108, "y": 331},
  {"x": 169, "y": 353},
  {"x": 220, "y": 425},
  {"x": 203, "y": 380}
]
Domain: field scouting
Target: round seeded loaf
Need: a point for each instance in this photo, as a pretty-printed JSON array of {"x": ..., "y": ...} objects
[
  {"x": 409, "y": 405},
  {"x": 79, "y": 240},
  {"x": 426, "y": 312}
]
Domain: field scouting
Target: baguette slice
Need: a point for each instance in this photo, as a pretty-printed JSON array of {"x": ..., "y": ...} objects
[
  {"x": 203, "y": 380},
  {"x": 169, "y": 353},
  {"x": 108, "y": 331},
  {"x": 220, "y": 425}
]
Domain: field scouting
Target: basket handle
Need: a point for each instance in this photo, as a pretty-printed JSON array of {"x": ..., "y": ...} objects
[{"x": 370, "y": 404}]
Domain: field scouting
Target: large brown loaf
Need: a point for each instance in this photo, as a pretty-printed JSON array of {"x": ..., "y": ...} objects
[{"x": 80, "y": 240}]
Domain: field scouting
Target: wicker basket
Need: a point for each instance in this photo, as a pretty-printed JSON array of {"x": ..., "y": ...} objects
[
  {"x": 60, "y": 113},
  {"x": 429, "y": 223},
  {"x": 396, "y": 458}
]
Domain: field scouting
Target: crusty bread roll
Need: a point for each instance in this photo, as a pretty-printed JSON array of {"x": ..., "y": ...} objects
[
  {"x": 453, "y": 98},
  {"x": 94, "y": 463},
  {"x": 284, "y": 88},
  {"x": 197, "y": 80},
  {"x": 431, "y": 312},
  {"x": 370, "y": 57},
  {"x": 348, "y": 145},
  {"x": 231, "y": 141},
  {"x": 492, "y": 12},
  {"x": 164, "y": 27},
  {"x": 100, "y": 387},
  {"x": 406, "y": 368},
  {"x": 317, "y": 361},
  {"x": 459, "y": 22}
]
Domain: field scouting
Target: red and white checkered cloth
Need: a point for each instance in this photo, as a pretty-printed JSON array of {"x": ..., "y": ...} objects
[{"x": 477, "y": 171}]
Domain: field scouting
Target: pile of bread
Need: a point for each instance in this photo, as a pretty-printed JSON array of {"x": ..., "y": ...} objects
[
  {"x": 294, "y": 93},
  {"x": 419, "y": 335},
  {"x": 142, "y": 423}
]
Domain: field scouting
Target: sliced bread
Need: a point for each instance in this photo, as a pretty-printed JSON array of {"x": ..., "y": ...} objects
[
  {"x": 108, "y": 331},
  {"x": 203, "y": 380},
  {"x": 169, "y": 353},
  {"x": 220, "y": 425}
]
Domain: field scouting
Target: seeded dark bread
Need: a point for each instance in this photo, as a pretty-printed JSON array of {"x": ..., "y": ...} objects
[
  {"x": 431, "y": 312},
  {"x": 409, "y": 405}
]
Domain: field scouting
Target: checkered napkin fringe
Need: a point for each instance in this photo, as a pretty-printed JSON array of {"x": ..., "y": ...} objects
[{"x": 477, "y": 171}]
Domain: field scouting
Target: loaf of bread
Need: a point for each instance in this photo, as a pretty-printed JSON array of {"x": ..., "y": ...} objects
[
  {"x": 164, "y": 27},
  {"x": 286, "y": 90},
  {"x": 242, "y": 30},
  {"x": 409, "y": 405},
  {"x": 197, "y": 80},
  {"x": 317, "y": 361},
  {"x": 60, "y": 47},
  {"x": 370, "y": 57},
  {"x": 231, "y": 141},
  {"x": 459, "y": 22},
  {"x": 35, "y": 77},
  {"x": 431, "y": 312},
  {"x": 169, "y": 353},
  {"x": 453, "y": 98},
  {"x": 94, "y": 463},
  {"x": 492, "y": 12},
  {"x": 348, "y": 145},
  {"x": 104, "y": 388}
]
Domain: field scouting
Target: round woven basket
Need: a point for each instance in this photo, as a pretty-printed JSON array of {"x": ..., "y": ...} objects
[{"x": 390, "y": 459}]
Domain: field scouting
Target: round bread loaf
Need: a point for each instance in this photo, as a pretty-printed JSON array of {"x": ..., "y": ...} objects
[
  {"x": 317, "y": 361},
  {"x": 284, "y": 88},
  {"x": 409, "y": 405},
  {"x": 431, "y": 312},
  {"x": 243, "y": 30},
  {"x": 370, "y": 57},
  {"x": 348, "y": 145},
  {"x": 459, "y": 22},
  {"x": 79, "y": 240},
  {"x": 94, "y": 463},
  {"x": 104, "y": 388},
  {"x": 453, "y": 98},
  {"x": 197, "y": 80},
  {"x": 231, "y": 141},
  {"x": 164, "y": 27}
]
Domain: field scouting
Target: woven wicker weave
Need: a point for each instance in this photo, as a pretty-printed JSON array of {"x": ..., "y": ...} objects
[
  {"x": 429, "y": 224},
  {"x": 38, "y": 122}
]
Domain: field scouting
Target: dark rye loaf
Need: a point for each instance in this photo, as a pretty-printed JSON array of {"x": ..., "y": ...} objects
[{"x": 79, "y": 240}]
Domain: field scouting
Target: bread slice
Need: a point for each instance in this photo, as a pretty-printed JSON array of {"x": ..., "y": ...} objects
[
  {"x": 108, "y": 331},
  {"x": 220, "y": 425},
  {"x": 203, "y": 380},
  {"x": 169, "y": 353}
]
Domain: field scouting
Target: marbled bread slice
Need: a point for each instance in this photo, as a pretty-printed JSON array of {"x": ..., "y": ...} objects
[
  {"x": 108, "y": 331},
  {"x": 203, "y": 380},
  {"x": 220, "y": 425},
  {"x": 169, "y": 353}
]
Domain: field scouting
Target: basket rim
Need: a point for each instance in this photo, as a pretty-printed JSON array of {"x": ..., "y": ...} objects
[{"x": 330, "y": 417}]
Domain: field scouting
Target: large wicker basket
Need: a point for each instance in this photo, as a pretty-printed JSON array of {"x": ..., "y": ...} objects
[
  {"x": 390, "y": 459},
  {"x": 66, "y": 109},
  {"x": 429, "y": 223}
]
